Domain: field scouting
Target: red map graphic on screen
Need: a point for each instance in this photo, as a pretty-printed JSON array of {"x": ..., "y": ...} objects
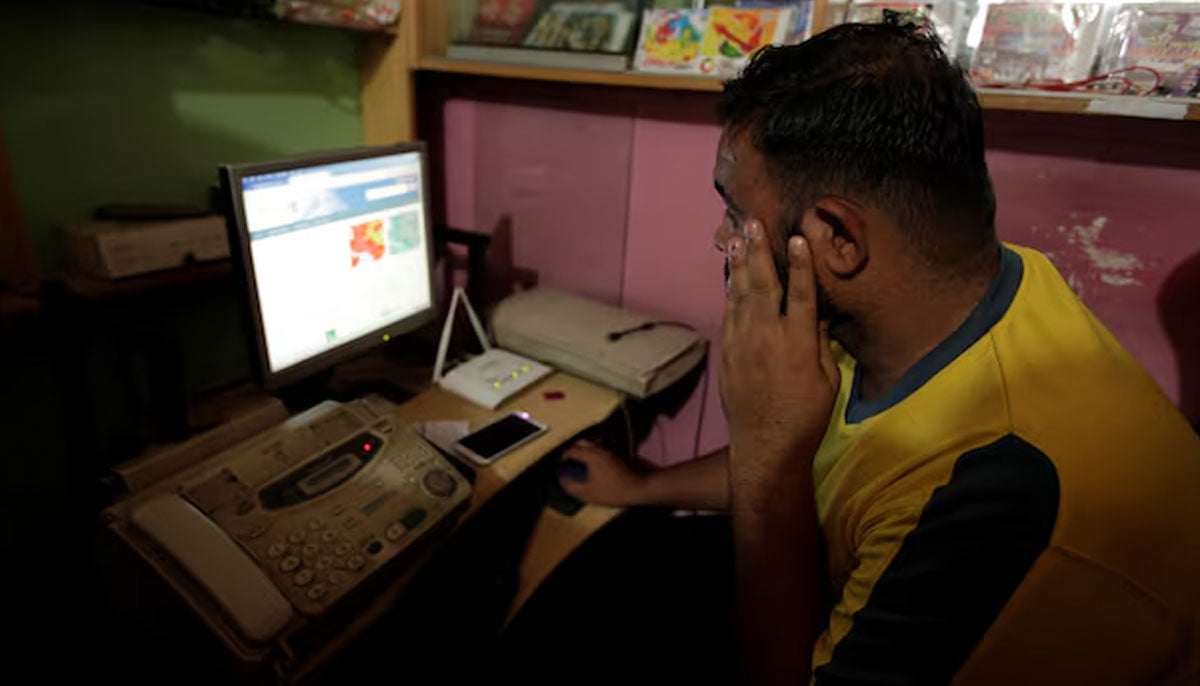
[{"x": 367, "y": 241}]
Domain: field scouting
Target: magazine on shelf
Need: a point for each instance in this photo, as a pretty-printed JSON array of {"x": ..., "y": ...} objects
[
  {"x": 670, "y": 41},
  {"x": 1164, "y": 37},
  {"x": 1029, "y": 43},
  {"x": 734, "y": 35},
  {"x": 802, "y": 16},
  {"x": 942, "y": 15},
  {"x": 583, "y": 27},
  {"x": 502, "y": 22},
  {"x": 713, "y": 42}
]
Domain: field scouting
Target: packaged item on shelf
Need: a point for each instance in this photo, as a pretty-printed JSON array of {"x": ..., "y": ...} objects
[
  {"x": 370, "y": 15},
  {"x": 733, "y": 35},
  {"x": 670, "y": 40},
  {"x": 583, "y": 27},
  {"x": 802, "y": 16},
  {"x": 1034, "y": 43},
  {"x": 501, "y": 22},
  {"x": 947, "y": 17},
  {"x": 712, "y": 42},
  {"x": 1160, "y": 38},
  {"x": 835, "y": 12}
]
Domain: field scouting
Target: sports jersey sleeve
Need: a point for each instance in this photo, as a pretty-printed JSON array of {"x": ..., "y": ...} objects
[{"x": 952, "y": 571}]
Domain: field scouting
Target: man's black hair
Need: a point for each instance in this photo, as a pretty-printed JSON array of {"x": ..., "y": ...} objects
[{"x": 876, "y": 113}]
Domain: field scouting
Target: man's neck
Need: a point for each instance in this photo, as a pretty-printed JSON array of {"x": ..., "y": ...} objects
[{"x": 893, "y": 337}]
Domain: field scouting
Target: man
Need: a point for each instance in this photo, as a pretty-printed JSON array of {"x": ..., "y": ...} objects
[{"x": 974, "y": 481}]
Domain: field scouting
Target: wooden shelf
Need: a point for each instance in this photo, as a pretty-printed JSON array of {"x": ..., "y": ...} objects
[
  {"x": 94, "y": 288},
  {"x": 1187, "y": 109},
  {"x": 992, "y": 98},
  {"x": 631, "y": 79}
]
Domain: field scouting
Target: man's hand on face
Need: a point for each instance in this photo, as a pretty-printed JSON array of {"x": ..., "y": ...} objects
[{"x": 778, "y": 376}]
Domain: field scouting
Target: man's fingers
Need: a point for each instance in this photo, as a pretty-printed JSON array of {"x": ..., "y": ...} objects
[
  {"x": 754, "y": 285},
  {"x": 802, "y": 286},
  {"x": 828, "y": 363}
]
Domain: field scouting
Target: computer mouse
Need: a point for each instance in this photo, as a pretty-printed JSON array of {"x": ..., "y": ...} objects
[{"x": 573, "y": 470}]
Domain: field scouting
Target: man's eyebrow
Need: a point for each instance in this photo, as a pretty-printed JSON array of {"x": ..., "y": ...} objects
[{"x": 725, "y": 196}]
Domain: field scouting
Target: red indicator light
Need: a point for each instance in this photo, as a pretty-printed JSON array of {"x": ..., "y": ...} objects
[{"x": 367, "y": 447}]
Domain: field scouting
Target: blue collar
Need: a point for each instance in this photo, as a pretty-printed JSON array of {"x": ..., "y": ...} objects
[{"x": 995, "y": 303}]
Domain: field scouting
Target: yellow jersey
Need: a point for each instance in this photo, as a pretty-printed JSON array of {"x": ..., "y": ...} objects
[{"x": 1022, "y": 508}]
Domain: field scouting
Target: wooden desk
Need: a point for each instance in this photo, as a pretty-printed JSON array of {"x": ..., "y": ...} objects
[{"x": 582, "y": 406}]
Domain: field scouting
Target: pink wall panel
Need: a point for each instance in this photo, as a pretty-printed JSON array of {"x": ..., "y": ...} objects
[
  {"x": 564, "y": 177},
  {"x": 671, "y": 266},
  {"x": 459, "y": 153},
  {"x": 1115, "y": 231},
  {"x": 621, "y": 207}
]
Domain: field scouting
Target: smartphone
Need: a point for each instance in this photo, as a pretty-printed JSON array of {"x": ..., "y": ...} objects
[{"x": 489, "y": 443}]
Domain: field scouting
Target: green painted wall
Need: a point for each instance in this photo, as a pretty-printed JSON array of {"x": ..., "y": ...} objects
[{"x": 109, "y": 102}]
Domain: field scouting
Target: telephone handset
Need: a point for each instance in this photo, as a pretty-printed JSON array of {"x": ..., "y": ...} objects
[{"x": 230, "y": 576}]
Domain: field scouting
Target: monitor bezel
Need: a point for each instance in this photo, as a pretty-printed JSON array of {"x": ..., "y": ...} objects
[{"x": 239, "y": 242}]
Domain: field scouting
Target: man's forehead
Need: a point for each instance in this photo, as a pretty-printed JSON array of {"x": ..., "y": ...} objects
[
  {"x": 725, "y": 152},
  {"x": 727, "y": 158}
]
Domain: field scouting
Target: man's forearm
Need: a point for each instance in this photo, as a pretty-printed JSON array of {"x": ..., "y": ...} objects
[
  {"x": 700, "y": 484},
  {"x": 780, "y": 581}
]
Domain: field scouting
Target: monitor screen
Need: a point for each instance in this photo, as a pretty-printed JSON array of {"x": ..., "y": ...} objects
[{"x": 337, "y": 251}]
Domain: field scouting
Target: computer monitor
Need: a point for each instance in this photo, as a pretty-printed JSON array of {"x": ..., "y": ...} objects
[{"x": 335, "y": 251}]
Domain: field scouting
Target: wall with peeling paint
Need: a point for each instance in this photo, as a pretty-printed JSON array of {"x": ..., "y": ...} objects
[{"x": 1117, "y": 230}]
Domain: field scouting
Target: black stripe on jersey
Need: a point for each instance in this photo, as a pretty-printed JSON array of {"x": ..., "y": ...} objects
[{"x": 975, "y": 541}]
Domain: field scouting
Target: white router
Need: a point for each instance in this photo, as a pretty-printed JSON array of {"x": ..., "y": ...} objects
[{"x": 488, "y": 379}]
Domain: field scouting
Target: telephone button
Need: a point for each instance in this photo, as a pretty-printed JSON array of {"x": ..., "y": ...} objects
[
  {"x": 303, "y": 577},
  {"x": 355, "y": 563},
  {"x": 329, "y": 536},
  {"x": 316, "y": 523},
  {"x": 289, "y": 563},
  {"x": 414, "y": 517},
  {"x": 316, "y": 592},
  {"x": 297, "y": 536},
  {"x": 341, "y": 549},
  {"x": 374, "y": 547},
  {"x": 439, "y": 483},
  {"x": 277, "y": 550},
  {"x": 311, "y": 549},
  {"x": 325, "y": 562},
  {"x": 335, "y": 577},
  {"x": 395, "y": 531}
]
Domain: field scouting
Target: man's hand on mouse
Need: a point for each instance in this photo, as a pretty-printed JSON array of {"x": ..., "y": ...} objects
[
  {"x": 595, "y": 475},
  {"x": 778, "y": 376}
]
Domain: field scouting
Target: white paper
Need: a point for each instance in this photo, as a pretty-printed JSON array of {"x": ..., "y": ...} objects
[
  {"x": 1148, "y": 108},
  {"x": 444, "y": 433}
]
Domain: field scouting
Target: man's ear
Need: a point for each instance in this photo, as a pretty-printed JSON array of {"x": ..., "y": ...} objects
[{"x": 836, "y": 229}]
